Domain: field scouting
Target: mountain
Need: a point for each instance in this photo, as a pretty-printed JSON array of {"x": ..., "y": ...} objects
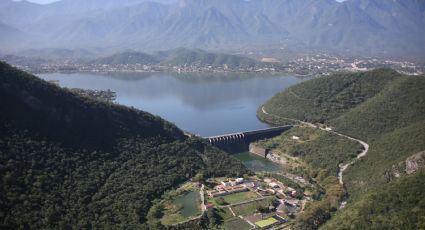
[
  {"x": 180, "y": 57},
  {"x": 127, "y": 58},
  {"x": 385, "y": 109},
  {"x": 10, "y": 35},
  {"x": 68, "y": 161},
  {"x": 354, "y": 26}
]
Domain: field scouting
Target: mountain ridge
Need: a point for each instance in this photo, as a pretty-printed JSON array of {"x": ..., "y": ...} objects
[{"x": 356, "y": 26}]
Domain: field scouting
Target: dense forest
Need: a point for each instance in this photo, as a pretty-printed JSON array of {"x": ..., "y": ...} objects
[
  {"x": 385, "y": 109},
  {"x": 68, "y": 161}
]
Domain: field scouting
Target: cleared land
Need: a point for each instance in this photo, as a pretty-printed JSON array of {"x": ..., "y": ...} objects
[
  {"x": 235, "y": 198},
  {"x": 266, "y": 222},
  {"x": 251, "y": 208},
  {"x": 237, "y": 223}
]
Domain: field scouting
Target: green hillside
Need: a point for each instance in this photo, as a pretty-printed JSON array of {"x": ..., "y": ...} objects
[
  {"x": 197, "y": 57},
  {"x": 381, "y": 107},
  {"x": 129, "y": 58},
  {"x": 69, "y": 162}
]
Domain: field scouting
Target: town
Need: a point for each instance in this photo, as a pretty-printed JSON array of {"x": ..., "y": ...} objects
[{"x": 306, "y": 65}]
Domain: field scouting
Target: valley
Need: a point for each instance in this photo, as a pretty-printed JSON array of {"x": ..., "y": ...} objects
[{"x": 212, "y": 114}]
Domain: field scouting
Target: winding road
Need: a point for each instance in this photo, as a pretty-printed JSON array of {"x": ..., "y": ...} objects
[{"x": 342, "y": 168}]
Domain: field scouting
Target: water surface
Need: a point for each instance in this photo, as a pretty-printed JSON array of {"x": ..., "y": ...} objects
[
  {"x": 257, "y": 163},
  {"x": 204, "y": 104},
  {"x": 190, "y": 202}
]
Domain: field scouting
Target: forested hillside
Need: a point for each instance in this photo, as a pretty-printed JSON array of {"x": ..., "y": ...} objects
[
  {"x": 386, "y": 110},
  {"x": 71, "y": 162},
  {"x": 181, "y": 57}
]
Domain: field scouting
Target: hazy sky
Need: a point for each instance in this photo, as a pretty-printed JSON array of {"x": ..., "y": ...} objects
[
  {"x": 42, "y": 1},
  {"x": 49, "y": 1}
]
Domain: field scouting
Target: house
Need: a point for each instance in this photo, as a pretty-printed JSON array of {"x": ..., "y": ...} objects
[
  {"x": 225, "y": 183},
  {"x": 274, "y": 185},
  {"x": 295, "y": 138},
  {"x": 249, "y": 185},
  {"x": 233, "y": 182}
]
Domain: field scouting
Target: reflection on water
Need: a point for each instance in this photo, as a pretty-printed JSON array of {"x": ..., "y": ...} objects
[
  {"x": 204, "y": 104},
  {"x": 190, "y": 203},
  {"x": 257, "y": 163}
]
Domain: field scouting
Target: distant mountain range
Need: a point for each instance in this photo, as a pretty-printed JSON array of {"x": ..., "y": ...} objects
[{"x": 357, "y": 26}]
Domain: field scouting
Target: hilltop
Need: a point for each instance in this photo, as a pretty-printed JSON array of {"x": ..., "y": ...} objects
[
  {"x": 180, "y": 57},
  {"x": 383, "y": 108},
  {"x": 68, "y": 161}
]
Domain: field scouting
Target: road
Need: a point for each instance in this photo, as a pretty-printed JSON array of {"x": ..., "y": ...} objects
[{"x": 342, "y": 168}]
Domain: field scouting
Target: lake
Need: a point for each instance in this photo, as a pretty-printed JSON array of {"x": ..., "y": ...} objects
[
  {"x": 257, "y": 163},
  {"x": 190, "y": 203},
  {"x": 204, "y": 104}
]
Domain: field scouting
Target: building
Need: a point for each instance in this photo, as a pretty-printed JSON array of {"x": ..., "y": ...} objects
[
  {"x": 274, "y": 185},
  {"x": 240, "y": 180},
  {"x": 295, "y": 138}
]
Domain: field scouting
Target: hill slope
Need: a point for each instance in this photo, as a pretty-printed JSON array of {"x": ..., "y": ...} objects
[
  {"x": 72, "y": 162},
  {"x": 180, "y": 57},
  {"x": 383, "y": 108}
]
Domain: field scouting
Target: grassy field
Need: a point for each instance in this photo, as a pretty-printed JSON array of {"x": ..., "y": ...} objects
[
  {"x": 236, "y": 223},
  {"x": 266, "y": 222},
  {"x": 236, "y": 197},
  {"x": 251, "y": 208}
]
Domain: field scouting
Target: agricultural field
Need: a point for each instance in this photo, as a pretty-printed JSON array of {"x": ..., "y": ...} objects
[
  {"x": 237, "y": 223},
  {"x": 266, "y": 222},
  {"x": 251, "y": 208},
  {"x": 234, "y": 198}
]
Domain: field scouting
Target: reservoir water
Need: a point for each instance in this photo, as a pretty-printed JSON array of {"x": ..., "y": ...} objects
[
  {"x": 257, "y": 163},
  {"x": 204, "y": 104}
]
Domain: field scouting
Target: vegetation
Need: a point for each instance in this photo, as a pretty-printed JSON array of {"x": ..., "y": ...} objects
[
  {"x": 197, "y": 57},
  {"x": 266, "y": 222},
  {"x": 327, "y": 98},
  {"x": 321, "y": 150},
  {"x": 237, "y": 223},
  {"x": 383, "y": 108},
  {"x": 68, "y": 161},
  {"x": 252, "y": 207},
  {"x": 399, "y": 204},
  {"x": 234, "y": 198},
  {"x": 181, "y": 57}
]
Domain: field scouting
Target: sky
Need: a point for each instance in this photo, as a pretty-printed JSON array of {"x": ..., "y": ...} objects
[
  {"x": 42, "y": 1},
  {"x": 50, "y": 1}
]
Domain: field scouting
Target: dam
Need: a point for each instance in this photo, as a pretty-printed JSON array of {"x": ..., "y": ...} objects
[{"x": 239, "y": 142}]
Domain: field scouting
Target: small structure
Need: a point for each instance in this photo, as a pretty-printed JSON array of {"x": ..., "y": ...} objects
[
  {"x": 225, "y": 183},
  {"x": 274, "y": 185},
  {"x": 295, "y": 138},
  {"x": 268, "y": 180},
  {"x": 233, "y": 182}
]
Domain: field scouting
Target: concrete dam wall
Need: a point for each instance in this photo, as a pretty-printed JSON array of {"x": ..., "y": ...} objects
[{"x": 239, "y": 142}]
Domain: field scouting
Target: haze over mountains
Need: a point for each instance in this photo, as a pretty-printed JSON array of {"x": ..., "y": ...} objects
[{"x": 358, "y": 26}]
